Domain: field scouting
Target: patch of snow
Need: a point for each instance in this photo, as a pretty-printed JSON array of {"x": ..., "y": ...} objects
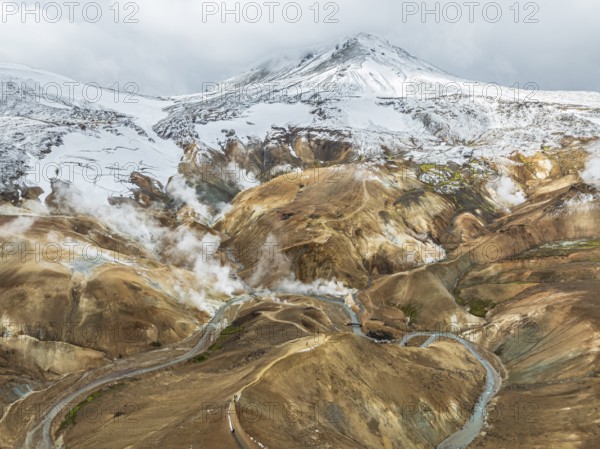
[{"x": 256, "y": 122}]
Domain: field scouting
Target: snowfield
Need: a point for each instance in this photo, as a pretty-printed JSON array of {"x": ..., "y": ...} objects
[
  {"x": 54, "y": 127},
  {"x": 363, "y": 90}
]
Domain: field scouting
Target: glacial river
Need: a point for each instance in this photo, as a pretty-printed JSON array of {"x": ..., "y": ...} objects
[{"x": 40, "y": 436}]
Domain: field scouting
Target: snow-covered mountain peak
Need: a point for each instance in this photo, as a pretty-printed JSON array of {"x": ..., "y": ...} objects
[
  {"x": 363, "y": 64},
  {"x": 377, "y": 98},
  {"x": 352, "y": 99},
  {"x": 364, "y": 47}
]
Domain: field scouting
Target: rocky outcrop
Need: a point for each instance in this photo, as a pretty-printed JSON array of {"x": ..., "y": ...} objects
[{"x": 55, "y": 357}]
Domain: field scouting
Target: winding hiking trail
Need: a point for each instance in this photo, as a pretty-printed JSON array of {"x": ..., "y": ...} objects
[{"x": 40, "y": 436}]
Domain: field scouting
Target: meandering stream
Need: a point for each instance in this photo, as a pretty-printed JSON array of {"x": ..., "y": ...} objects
[
  {"x": 457, "y": 440},
  {"x": 472, "y": 428}
]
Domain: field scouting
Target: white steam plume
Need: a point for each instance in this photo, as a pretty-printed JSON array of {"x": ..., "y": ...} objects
[
  {"x": 507, "y": 193},
  {"x": 182, "y": 246},
  {"x": 317, "y": 287},
  {"x": 17, "y": 227}
]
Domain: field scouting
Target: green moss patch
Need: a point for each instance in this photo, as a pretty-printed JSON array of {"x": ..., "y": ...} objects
[
  {"x": 476, "y": 306},
  {"x": 71, "y": 417},
  {"x": 562, "y": 248}
]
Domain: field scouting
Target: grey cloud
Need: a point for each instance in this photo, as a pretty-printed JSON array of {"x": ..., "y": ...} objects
[{"x": 173, "y": 51}]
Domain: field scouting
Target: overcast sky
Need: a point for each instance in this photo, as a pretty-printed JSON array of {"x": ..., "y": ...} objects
[{"x": 177, "y": 45}]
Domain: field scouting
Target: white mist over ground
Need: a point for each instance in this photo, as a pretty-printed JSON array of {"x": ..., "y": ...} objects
[
  {"x": 317, "y": 287},
  {"x": 182, "y": 247},
  {"x": 17, "y": 227},
  {"x": 591, "y": 173},
  {"x": 197, "y": 254},
  {"x": 272, "y": 261},
  {"x": 507, "y": 193},
  {"x": 124, "y": 219},
  {"x": 183, "y": 193}
]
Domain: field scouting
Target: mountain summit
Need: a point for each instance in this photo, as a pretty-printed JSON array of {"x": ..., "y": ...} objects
[
  {"x": 363, "y": 63},
  {"x": 346, "y": 101},
  {"x": 377, "y": 99}
]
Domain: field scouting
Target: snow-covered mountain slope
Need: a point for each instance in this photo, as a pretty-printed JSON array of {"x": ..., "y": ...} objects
[
  {"x": 361, "y": 98},
  {"x": 362, "y": 65},
  {"x": 380, "y": 99},
  {"x": 54, "y": 127}
]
